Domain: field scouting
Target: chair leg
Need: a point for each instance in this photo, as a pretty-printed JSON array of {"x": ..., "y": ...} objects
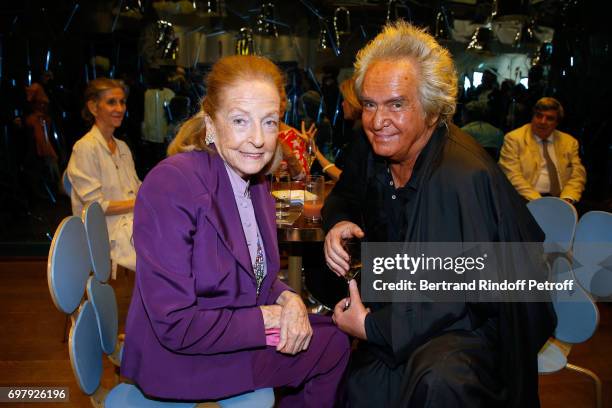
[
  {"x": 594, "y": 377},
  {"x": 98, "y": 397},
  {"x": 117, "y": 375},
  {"x": 115, "y": 358},
  {"x": 66, "y": 329}
]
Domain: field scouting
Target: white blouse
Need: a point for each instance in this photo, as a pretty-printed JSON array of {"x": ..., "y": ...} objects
[{"x": 98, "y": 175}]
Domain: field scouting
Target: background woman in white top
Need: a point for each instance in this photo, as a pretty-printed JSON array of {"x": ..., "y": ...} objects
[{"x": 101, "y": 167}]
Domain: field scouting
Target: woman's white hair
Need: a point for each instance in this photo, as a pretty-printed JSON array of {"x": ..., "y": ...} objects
[{"x": 438, "y": 86}]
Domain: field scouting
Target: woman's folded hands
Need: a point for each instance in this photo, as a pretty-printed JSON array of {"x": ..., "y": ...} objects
[{"x": 290, "y": 316}]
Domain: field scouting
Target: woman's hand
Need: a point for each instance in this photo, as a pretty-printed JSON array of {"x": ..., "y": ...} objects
[
  {"x": 311, "y": 133},
  {"x": 120, "y": 207},
  {"x": 295, "y": 329},
  {"x": 271, "y": 316}
]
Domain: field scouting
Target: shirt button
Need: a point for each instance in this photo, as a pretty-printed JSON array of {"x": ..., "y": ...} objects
[
  {"x": 247, "y": 224},
  {"x": 390, "y": 183},
  {"x": 393, "y": 196}
]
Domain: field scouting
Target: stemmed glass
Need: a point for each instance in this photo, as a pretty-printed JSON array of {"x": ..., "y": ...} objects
[
  {"x": 353, "y": 247},
  {"x": 311, "y": 146},
  {"x": 311, "y": 151}
]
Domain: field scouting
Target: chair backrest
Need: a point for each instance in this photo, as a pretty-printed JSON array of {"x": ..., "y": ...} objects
[
  {"x": 557, "y": 218},
  {"x": 104, "y": 302},
  {"x": 261, "y": 398},
  {"x": 577, "y": 314},
  {"x": 592, "y": 252},
  {"x": 68, "y": 264},
  {"x": 97, "y": 240},
  {"x": 85, "y": 350}
]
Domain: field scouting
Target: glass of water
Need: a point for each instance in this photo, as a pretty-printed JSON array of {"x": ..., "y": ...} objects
[{"x": 281, "y": 190}]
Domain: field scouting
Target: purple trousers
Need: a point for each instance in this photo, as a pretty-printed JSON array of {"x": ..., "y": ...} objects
[{"x": 314, "y": 374}]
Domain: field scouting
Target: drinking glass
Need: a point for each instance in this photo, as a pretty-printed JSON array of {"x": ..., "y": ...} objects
[
  {"x": 314, "y": 188},
  {"x": 353, "y": 247},
  {"x": 311, "y": 151},
  {"x": 281, "y": 190}
]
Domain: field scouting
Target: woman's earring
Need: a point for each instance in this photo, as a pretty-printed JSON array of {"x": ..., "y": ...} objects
[{"x": 209, "y": 139}]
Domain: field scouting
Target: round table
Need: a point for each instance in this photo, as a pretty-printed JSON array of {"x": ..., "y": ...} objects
[
  {"x": 299, "y": 231},
  {"x": 292, "y": 235}
]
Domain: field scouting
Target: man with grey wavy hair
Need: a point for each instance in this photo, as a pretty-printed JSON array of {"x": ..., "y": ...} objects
[
  {"x": 437, "y": 88},
  {"x": 418, "y": 178}
]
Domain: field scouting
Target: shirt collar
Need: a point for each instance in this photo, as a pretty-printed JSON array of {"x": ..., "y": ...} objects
[
  {"x": 435, "y": 141},
  {"x": 240, "y": 186},
  {"x": 551, "y": 138},
  {"x": 100, "y": 138}
]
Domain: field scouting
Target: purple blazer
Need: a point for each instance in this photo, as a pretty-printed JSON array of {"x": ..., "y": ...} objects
[{"x": 194, "y": 313}]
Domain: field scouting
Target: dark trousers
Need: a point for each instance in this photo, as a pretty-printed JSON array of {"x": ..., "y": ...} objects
[
  {"x": 315, "y": 375},
  {"x": 455, "y": 369}
]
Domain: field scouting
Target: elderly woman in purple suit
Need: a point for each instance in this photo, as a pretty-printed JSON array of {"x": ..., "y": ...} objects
[{"x": 209, "y": 317}]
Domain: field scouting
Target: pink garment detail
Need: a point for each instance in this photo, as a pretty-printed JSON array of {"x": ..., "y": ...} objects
[{"x": 272, "y": 337}]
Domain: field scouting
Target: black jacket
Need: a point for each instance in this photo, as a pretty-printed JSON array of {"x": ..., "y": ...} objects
[{"x": 460, "y": 196}]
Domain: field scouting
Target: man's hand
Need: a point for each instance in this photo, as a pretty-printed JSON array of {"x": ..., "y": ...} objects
[
  {"x": 351, "y": 320},
  {"x": 336, "y": 257}
]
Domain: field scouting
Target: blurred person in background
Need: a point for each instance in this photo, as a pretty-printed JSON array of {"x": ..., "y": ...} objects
[
  {"x": 351, "y": 109},
  {"x": 101, "y": 168},
  {"x": 294, "y": 146},
  {"x": 477, "y": 126},
  {"x": 155, "y": 122},
  {"x": 540, "y": 160},
  {"x": 42, "y": 157}
]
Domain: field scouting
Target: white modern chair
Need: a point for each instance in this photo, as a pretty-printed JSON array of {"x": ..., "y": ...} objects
[
  {"x": 101, "y": 294},
  {"x": 68, "y": 266},
  {"x": 592, "y": 253},
  {"x": 97, "y": 240},
  {"x": 577, "y": 320},
  {"x": 85, "y": 349},
  {"x": 558, "y": 219}
]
